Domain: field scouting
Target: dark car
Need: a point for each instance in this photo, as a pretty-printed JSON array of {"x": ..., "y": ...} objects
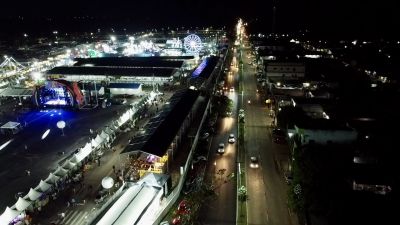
[
  {"x": 204, "y": 136},
  {"x": 288, "y": 177},
  {"x": 278, "y": 136}
]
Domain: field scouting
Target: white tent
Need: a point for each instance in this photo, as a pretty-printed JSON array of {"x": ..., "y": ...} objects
[
  {"x": 10, "y": 127},
  {"x": 33, "y": 195},
  {"x": 22, "y": 204},
  {"x": 105, "y": 136},
  {"x": 114, "y": 126},
  {"x": 118, "y": 207},
  {"x": 43, "y": 186},
  {"x": 8, "y": 215},
  {"x": 75, "y": 159},
  {"x": 150, "y": 179},
  {"x": 85, "y": 151},
  {"x": 52, "y": 179},
  {"x": 61, "y": 172},
  {"x": 68, "y": 165},
  {"x": 126, "y": 116},
  {"x": 133, "y": 204},
  {"x": 99, "y": 139},
  {"x": 109, "y": 130},
  {"x": 94, "y": 143}
]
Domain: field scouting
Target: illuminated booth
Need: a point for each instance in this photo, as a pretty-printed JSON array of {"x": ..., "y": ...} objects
[{"x": 58, "y": 93}]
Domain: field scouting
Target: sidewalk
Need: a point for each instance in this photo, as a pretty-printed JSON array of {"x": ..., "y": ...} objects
[{"x": 84, "y": 193}]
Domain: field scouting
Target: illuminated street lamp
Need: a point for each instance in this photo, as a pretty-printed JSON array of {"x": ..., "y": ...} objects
[{"x": 61, "y": 125}]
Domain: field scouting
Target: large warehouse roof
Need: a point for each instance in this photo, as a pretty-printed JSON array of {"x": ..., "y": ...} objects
[
  {"x": 112, "y": 71},
  {"x": 162, "y": 130},
  {"x": 155, "y": 62}
]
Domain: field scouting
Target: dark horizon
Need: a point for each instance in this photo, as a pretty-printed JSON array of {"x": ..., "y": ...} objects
[{"x": 338, "y": 19}]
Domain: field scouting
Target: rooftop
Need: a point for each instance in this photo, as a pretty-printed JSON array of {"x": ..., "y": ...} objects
[
  {"x": 162, "y": 129},
  {"x": 111, "y": 71},
  {"x": 155, "y": 62}
]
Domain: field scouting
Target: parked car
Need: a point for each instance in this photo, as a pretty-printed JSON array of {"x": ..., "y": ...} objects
[
  {"x": 231, "y": 138},
  {"x": 254, "y": 162},
  {"x": 288, "y": 177},
  {"x": 221, "y": 148},
  {"x": 183, "y": 207},
  {"x": 278, "y": 136},
  {"x": 177, "y": 220},
  {"x": 204, "y": 136}
]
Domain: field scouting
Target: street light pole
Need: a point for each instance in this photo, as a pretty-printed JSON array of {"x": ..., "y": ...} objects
[
  {"x": 215, "y": 167},
  {"x": 242, "y": 98}
]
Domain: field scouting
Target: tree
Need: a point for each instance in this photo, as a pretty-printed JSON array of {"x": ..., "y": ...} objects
[{"x": 243, "y": 197}]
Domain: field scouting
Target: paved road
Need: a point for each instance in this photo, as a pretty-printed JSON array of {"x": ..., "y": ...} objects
[
  {"x": 222, "y": 211},
  {"x": 266, "y": 188},
  {"x": 41, "y": 156},
  {"x": 81, "y": 213}
]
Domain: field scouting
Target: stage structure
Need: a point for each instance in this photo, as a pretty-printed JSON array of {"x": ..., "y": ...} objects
[{"x": 59, "y": 93}]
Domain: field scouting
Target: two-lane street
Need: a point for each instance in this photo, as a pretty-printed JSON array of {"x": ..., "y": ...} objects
[
  {"x": 222, "y": 211},
  {"x": 267, "y": 192}
]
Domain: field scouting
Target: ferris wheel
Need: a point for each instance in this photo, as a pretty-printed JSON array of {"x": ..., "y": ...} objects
[{"x": 192, "y": 44}]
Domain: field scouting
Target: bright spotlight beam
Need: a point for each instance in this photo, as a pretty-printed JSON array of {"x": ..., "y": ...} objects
[
  {"x": 5, "y": 144},
  {"x": 45, "y": 134}
]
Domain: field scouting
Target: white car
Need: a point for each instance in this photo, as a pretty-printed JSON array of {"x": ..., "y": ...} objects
[
  {"x": 253, "y": 162},
  {"x": 231, "y": 138},
  {"x": 232, "y": 89},
  {"x": 221, "y": 148}
]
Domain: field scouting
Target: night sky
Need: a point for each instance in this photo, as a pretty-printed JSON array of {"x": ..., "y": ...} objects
[{"x": 363, "y": 18}]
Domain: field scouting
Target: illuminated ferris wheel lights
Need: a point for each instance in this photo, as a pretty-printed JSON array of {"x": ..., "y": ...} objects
[{"x": 192, "y": 43}]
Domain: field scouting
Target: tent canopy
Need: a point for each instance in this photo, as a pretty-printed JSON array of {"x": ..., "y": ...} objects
[
  {"x": 43, "y": 186},
  {"x": 33, "y": 195},
  {"x": 104, "y": 135},
  {"x": 94, "y": 143},
  {"x": 10, "y": 125},
  {"x": 99, "y": 139},
  {"x": 52, "y": 179},
  {"x": 22, "y": 204},
  {"x": 61, "y": 172},
  {"x": 68, "y": 165},
  {"x": 8, "y": 215}
]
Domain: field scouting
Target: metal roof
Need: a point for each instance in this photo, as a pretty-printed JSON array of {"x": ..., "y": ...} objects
[
  {"x": 16, "y": 92},
  {"x": 111, "y": 71},
  {"x": 151, "y": 62},
  {"x": 161, "y": 132},
  {"x": 124, "y": 85}
]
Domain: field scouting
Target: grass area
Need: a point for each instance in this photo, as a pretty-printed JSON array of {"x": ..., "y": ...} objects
[{"x": 242, "y": 205}]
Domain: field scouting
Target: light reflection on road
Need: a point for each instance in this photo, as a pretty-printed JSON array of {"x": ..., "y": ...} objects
[{"x": 227, "y": 124}]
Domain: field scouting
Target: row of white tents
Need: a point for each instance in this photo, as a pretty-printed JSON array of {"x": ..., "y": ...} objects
[{"x": 35, "y": 195}]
